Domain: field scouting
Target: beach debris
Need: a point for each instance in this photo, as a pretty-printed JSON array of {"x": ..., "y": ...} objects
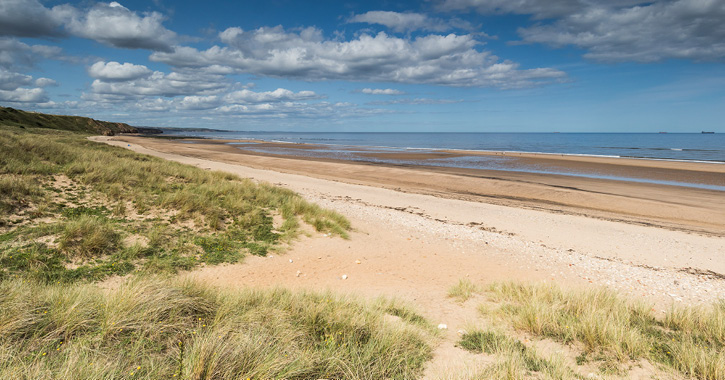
[
  {"x": 270, "y": 256},
  {"x": 357, "y": 261},
  {"x": 290, "y": 260},
  {"x": 442, "y": 326},
  {"x": 344, "y": 277},
  {"x": 298, "y": 274}
]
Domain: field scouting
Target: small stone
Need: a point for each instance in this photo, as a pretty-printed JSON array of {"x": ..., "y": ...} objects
[
  {"x": 461, "y": 332},
  {"x": 677, "y": 282},
  {"x": 290, "y": 260},
  {"x": 344, "y": 277},
  {"x": 357, "y": 261},
  {"x": 298, "y": 274},
  {"x": 442, "y": 326}
]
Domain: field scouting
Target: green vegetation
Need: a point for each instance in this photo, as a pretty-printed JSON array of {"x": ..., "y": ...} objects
[
  {"x": 77, "y": 210},
  {"x": 22, "y": 119},
  {"x": 518, "y": 359},
  {"x": 606, "y": 330},
  {"x": 464, "y": 290},
  {"x": 153, "y": 329}
]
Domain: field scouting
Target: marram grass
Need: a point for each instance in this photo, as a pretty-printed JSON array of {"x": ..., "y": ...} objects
[
  {"x": 156, "y": 329},
  {"x": 610, "y": 330},
  {"x": 72, "y": 209}
]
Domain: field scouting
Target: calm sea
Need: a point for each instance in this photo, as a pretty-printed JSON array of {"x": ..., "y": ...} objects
[{"x": 670, "y": 146}]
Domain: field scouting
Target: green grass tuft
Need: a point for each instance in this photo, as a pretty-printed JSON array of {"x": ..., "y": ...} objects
[{"x": 464, "y": 290}]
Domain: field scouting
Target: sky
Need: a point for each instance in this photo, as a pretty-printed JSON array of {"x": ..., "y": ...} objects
[{"x": 371, "y": 66}]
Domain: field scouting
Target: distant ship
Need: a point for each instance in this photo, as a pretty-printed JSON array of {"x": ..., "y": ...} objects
[
  {"x": 707, "y": 133},
  {"x": 663, "y": 133}
]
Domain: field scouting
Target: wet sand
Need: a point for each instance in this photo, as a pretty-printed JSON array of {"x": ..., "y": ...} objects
[{"x": 672, "y": 207}]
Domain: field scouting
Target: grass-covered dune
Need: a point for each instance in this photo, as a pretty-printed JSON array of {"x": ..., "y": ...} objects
[
  {"x": 150, "y": 329},
  {"x": 74, "y": 212},
  {"x": 19, "y": 118},
  {"x": 74, "y": 209}
]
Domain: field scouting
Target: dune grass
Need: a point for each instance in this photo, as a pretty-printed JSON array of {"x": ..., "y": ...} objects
[
  {"x": 156, "y": 329},
  {"x": 464, "y": 290},
  {"x": 73, "y": 209},
  {"x": 612, "y": 331}
]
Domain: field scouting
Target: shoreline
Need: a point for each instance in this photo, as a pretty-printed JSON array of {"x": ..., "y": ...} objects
[
  {"x": 684, "y": 173},
  {"x": 674, "y": 207}
]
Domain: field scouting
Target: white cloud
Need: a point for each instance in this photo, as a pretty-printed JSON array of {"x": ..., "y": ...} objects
[
  {"x": 159, "y": 84},
  {"x": 45, "y": 82},
  {"x": 401, "y": 22},
  {"x": 114, "y": 71},
  {"x": 623, "y": 30},
  {"x": 199, "y": 102},
  {"x": 24, "y": 95},
  {"x": 154, "y": 105},
  {"x": 111, "y": 24},
  {"x": 278, "y": 95},
  {"x": 10, "y": 80},
  {"x": 115, "y": 25},
  {"x": 450, "y": 60},
  {"x": 381, "y": 91}
]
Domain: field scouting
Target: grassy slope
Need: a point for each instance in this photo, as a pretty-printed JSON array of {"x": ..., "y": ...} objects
[
  {"x": 14, "y": 117},
  {"x": 73, "y": 209}
]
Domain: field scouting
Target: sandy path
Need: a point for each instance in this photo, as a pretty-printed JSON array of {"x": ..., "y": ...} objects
[{"x": 415, "y": 246}]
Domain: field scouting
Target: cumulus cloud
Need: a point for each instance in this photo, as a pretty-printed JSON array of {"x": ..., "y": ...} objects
[
  {"x": 108, "y": 23},
  {"x": 158, "y": 84},
  {"x": 381, "y": 91},
  {"x": 45, "y": 82},
  {"x": 24, "y": 95},
  {"x": 114, "y": 71},
  {"x": 450, "y": 60},
  {"x": 10, "y": 80},
  {"x": 116, "y": 25},
  {"x": 16, "y": 54},
  {"x": 278, "y": 95},
  {"x": 401, "y": 22},
  {"x": 17, "y": 88},
  {"x": 199, "y": 102},
  {"x": 623, "y": 30},
  {"x": 29, "y": 18}
]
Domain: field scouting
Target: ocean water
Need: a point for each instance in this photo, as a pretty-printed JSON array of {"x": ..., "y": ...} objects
[{"x": 669, "y": 146}]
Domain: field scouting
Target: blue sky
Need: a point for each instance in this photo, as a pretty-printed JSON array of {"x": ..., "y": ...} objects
[{"x": 436, "y": 65}]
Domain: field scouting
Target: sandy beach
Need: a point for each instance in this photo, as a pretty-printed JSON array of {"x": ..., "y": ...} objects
[{"x": 418, "y": 230}]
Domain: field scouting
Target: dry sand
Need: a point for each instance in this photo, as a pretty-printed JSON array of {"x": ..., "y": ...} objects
[{"x": 418, "y": 231}]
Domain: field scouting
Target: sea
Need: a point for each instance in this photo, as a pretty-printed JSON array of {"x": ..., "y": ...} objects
[{"x": 696, "y": 147}]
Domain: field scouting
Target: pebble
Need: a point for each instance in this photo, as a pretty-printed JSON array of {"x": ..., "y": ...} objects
[
  {"x": 298, "y": 274},
  {"x": 442, "y": 326},
  {"x": 344, "y": 277},
  {"x": 290, "y": 260},
  {"x": 357, "y": 261}
]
